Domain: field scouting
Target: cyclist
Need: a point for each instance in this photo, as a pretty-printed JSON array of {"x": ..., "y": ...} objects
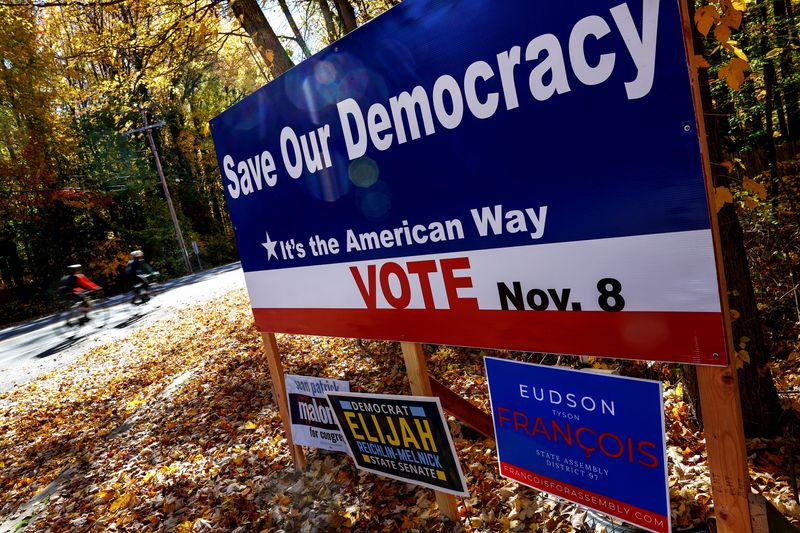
[
  {"x": 137, "y": 270},
  {"x": 74, "y": 286}
]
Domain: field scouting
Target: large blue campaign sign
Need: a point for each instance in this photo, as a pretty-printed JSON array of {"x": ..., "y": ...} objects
[
  {"x": 515, "y": 174},
  {"x": 597, "y": 440}
]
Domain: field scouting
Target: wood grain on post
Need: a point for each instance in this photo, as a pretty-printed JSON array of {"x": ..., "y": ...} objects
[
  {"x": 727, "y": 456},
  {"x": 421, "y": 386},
  {"x": 718, "y": 386},
  {"x": 279, "y": 387}
]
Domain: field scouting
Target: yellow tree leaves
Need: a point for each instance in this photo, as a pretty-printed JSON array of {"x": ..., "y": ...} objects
[
  {"x": 748, "y": 194},
  {"x": 734, "y": 73},
  {"x": 722, "y": 196},
  {"x": 725, "y": 16},
  {"x": 705, "y": 17},
  {"x": 755, "y": 188}
]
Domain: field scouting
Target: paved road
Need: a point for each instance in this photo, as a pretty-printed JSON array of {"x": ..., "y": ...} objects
[{"x": 33, "y": 348}]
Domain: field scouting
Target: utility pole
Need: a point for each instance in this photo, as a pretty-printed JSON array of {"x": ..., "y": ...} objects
[{"x": 148, "y": 129}]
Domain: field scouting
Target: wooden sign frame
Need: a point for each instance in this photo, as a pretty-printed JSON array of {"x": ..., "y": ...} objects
[{"x": 719, "y": 388}]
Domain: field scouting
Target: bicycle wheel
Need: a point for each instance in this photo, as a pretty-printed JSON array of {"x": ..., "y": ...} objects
[
  {"x": 72, "y": 324},
  {"x": 98, "y": 317}
]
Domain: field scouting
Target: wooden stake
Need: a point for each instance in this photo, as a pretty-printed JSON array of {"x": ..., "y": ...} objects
[
  {"x": 727, "y": 457},
  {"x": 279, "y": 388},
  {"x": 466, "y": 413},
  {"x": 719, "y": 386},
  {"x": 421, "y": 386}
]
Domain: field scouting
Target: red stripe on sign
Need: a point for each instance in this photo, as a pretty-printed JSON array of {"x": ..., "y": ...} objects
[
  {"x": 653, "y": 336},
  {"x": 624, "y": 511}
]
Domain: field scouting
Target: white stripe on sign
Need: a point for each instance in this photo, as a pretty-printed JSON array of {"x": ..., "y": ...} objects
[{"x": 651, "y": 275}]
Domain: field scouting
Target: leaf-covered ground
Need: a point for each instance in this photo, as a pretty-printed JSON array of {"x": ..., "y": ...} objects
[{"x": 175, "y": 429}]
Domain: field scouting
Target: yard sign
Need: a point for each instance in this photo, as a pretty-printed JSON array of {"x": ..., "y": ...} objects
[
  {"x": 597, "y": 440},
  {"x": 400, "y": 437},
  {"x": 516, "y": 174},
  {"x": 313, "y": 421}
]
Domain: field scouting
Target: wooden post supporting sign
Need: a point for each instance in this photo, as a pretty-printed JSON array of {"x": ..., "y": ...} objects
[
  {"x": 421, "y": 386},
  {"x": 279, "y": 387},
  {"x": 727, "y": 458},
  {"x": 719, "y": 388},
  {"x": 462, "y": 410}
]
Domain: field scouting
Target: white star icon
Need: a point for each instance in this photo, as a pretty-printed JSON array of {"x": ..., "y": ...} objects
[{"x": 270, "y": 246}]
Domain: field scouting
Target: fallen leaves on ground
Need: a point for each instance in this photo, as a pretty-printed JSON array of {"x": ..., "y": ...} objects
[{"x": 175, "y": 428}]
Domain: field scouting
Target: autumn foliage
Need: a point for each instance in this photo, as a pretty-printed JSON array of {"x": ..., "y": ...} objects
[{"x": 175, "y": 428}]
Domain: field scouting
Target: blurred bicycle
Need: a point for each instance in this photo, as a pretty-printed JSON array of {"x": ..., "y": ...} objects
[
  {"x": 143, "y": 288},
  {"x": 83, "y": 317}
]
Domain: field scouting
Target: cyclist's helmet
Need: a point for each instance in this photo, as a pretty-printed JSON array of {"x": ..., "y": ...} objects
[
  {"x": 136, "y": 254},
  {"x": 74, "y": 268}
]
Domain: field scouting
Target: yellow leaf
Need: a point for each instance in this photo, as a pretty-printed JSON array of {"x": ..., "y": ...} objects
[
  {"x": 722, "y": 33},
  {"x": 743, "y": 355},
  {"x": 701, "y": 62},
  {"x": 732, "y": 17},
  {"x": 121, "y": 502},
  {"x": 740, "y": 54},
  {"x": 250, "y": 425},
  {"x": 705, "y": 17},
  {"x": 739, "y": 5},
  {"x": 755, "y": 188},
  {"x": 773, "y": 53},
  {"x": 734, "y": 72},
  {"x": 133, "y": 404},
  {"x": 735, "y": 314},
  {"x": 505, "y": 523},
  {"x": 750, "y": 203},
  {"x": 185, "y": 527},
  {"x": 722, "y": 196}
]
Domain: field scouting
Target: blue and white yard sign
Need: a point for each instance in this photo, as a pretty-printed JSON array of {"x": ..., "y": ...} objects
[
  {"x": 594, "y": 439},
  {"x": 313, "y": 423},
  {"x": 517, "y": 174}
]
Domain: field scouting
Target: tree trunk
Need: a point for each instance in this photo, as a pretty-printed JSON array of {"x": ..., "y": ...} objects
[
  {"x": 770, "y": 82},
  {"x": 347, "y": 14},
  {"x": 769, "y": 129},
  {"x": 779, "y": 109},
  {"x": 791, "y": 98},
  {"x": 760, "y": 405},
  {"x": 327, "y": 15},
  {"x": 255, "y": 24},
  {"x": 301, "y": 42},
  {"x": 364, "y": 11}
]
